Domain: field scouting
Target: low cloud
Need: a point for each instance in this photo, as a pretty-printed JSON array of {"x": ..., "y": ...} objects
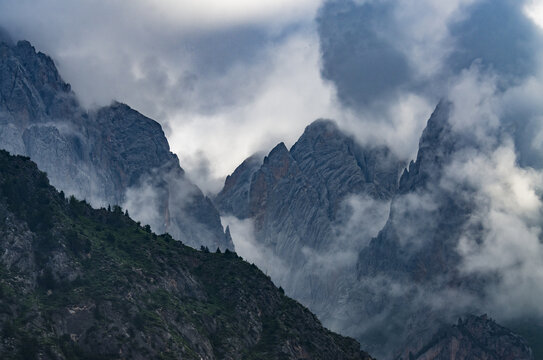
[
  {"x": 510, "y": 251},
  {"x": 224, "y": 79},
  {"x": 359, "y": 219},
  {"x": 252, "y": 251}
]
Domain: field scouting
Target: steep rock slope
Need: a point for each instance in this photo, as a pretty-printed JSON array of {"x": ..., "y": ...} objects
[
  {"x": 406, "y": 283},
  {"x": 297, "y": 200},
  {"x": 113, "y": 155},
  {"x": 79, "y": 283},
  {"x": 437, "y": 215},
  {"x": 409, "y": 280}
]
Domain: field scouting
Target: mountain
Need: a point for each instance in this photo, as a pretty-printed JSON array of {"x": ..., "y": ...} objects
[
  {"x": 416, "y": 252},
  {"x": 112, "y": 155},
  {"x": 80, "y": 283},
  {"x": 438, "y": 215},
  {"x": 475, "y": 337},
  {"x": 298, "y": 202},
  {"x": 403, "y": 286}
]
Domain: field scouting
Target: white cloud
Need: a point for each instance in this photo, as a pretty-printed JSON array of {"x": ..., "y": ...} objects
[
  {"x": 287, "y": 96},
  {"x": 423, "y": 32},
  {"x": 218, "y": 13},
  {"x": 534, "y": 10},
  {"x": 509, "y": 210},
  {"x": 252, "y": 251}
]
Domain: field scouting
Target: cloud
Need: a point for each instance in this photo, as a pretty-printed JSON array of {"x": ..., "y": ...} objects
[
  {"x": 381, "y": 55},
  {"x": 508, "y": 212},
  {"x": 534, "y": 10},
  {"x": 225, "y": 79},
  {"x": 498, "y": 34},
  {"x": 282, "y": 93},
  {"x": 358, "y": 220},
  {"x": 248, "y": 247}
]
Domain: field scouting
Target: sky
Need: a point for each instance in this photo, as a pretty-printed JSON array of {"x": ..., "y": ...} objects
[{"x": 227, "y": 79}]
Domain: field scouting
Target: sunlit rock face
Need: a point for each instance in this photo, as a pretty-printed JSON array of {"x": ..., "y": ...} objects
[{"x": 112, "y": 155}]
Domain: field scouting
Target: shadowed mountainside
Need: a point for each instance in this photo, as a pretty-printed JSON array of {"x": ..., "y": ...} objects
[{"x": 80, "y": 283}]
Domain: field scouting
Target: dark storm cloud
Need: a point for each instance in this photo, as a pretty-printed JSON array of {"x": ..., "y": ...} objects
[
  {"x": 363, "y": 64},
  {"x": 499, "y": 34},
  {"x": 192, "y": 65},
  {"x": 373, "y": 51}
]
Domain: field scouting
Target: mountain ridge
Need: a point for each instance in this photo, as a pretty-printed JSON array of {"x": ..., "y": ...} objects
[
  {"x": 111, "y": 155},
  {"x": 83, "y": 283}
]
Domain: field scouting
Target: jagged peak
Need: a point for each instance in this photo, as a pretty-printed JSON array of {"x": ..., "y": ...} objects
[
  {"x": 119, "y": 107},
  {"x": 278, "y": 151},
  {"x": 38, "y": 63},
  {"x": 437, "y": 122},
  {"x": 252, "y": 162},
  {"x": 321, "y": 125},
  {"x": 436, "y": 141}
]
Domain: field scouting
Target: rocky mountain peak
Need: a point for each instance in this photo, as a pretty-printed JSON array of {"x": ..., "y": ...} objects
[
  {"x": 435, "y": 146},
  {"x": 31, "y": 89},
  {"x": 321, "y": 127},
  {"x": 112, "y": 155},
  {"x": 278, "y": 162}
]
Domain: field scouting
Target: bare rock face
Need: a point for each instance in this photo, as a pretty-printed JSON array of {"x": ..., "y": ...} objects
[
  {"x": 385, "y": 300},
  {"x": 297, "y": 200},
  {"x": 113, "y": 155},
  {"x": 294, "y": 195},
  {"x": 437, "y": 216},
  {"x": 234, "y": 197},
  {"x": 475, "y": 337}
]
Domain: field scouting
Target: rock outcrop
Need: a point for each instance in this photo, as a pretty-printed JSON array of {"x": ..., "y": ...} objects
[
  {"x": 294, "y": 195},
  {"x": 113, "y": 155},
  {"x": 297, "y": 200}
]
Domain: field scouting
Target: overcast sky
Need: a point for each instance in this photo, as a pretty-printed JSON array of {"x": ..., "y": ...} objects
[{"x": 229, "y": 78}]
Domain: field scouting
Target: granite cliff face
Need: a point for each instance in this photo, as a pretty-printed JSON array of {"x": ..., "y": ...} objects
[
  {"x": 113, "y": 155},
  {"x": 80, "y": 283}
]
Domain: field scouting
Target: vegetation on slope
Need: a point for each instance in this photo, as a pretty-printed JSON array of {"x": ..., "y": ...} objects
[{"x": 80, "y": 283}]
